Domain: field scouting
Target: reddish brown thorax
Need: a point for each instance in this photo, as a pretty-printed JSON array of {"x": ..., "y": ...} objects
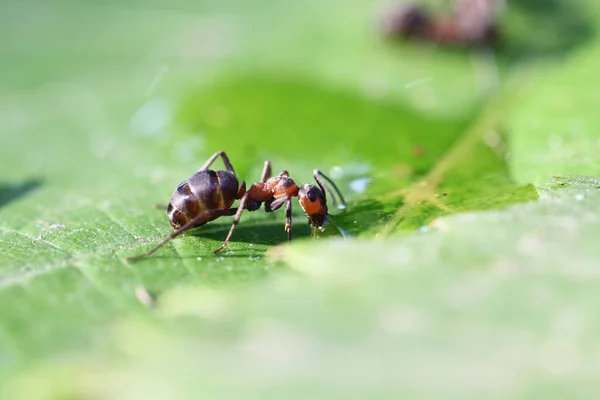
[
  {"x": 276, "y": 187},
  {"x": 282, "y": 186}
]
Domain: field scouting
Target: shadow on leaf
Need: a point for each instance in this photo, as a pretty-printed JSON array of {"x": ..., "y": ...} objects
[
  {"x": 254, "y": 232},
  {"x": 544, "y": 27},
  {"x": 366, "y": 216},
  {"x": 11, "y": 192}
]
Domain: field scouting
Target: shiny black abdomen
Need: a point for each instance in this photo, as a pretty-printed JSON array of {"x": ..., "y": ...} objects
[{"x": 205, "y": 190}]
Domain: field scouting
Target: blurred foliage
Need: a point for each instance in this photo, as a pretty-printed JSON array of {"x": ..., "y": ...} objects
[
  {"x": 107, "y": 107},
  {"x": 537, "y": 28}
]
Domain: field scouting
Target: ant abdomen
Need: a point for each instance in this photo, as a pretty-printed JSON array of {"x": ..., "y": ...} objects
[{"x": 205, "y": 190}]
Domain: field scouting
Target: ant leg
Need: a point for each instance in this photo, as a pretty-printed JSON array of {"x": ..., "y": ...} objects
[
  {"x": 225, "y": 159},
  {"x": 266, "y": 174},
  {"x": 288, "y": 219},
  {"x": 212, "y": 214},
  {"x": 284, "y": 173},
  {"x": 236, "y": 219},
  {"x": 241, "y": 191},
  {"x": 275, "y": 204},
  {"x": 319, "y": 178}
]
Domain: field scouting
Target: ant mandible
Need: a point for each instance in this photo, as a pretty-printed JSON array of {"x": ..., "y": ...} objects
[{"x": 208, "y": 195}]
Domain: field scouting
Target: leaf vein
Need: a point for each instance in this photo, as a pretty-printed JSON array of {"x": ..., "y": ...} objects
[{"x": 37, "y": 239}]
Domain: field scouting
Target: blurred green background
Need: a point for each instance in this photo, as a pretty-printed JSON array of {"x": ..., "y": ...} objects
[{"x": 464, "y": 266}]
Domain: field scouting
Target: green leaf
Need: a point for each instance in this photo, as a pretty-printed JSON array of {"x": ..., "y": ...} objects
[
  {"x": 554, "y": 129},
  {"x": 519, "y": 310},
  {"x": 121, "y": 103}
]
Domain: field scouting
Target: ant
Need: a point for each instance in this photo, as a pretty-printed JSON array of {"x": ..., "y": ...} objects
[
  {"x": 472, "y": 24},
  {"x": 208, "y": 195}
]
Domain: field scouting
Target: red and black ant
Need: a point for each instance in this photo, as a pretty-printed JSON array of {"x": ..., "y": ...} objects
[
  {"x": 208, "y": 195},
  {"x": 472, "y": 24}
]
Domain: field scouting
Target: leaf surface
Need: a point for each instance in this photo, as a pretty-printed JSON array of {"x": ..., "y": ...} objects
[{"x": 107, "y": 115}]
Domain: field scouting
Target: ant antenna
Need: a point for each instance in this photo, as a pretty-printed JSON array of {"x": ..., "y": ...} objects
[
  {"x": 318, "y": 176},
  {"x": 339, "y": 228}
]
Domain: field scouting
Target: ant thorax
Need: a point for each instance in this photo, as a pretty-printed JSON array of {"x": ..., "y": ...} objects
[{"x": 280, "y": 186}]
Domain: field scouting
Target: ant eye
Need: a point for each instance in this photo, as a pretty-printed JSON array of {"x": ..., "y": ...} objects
[{"x": 311, "y": 195}]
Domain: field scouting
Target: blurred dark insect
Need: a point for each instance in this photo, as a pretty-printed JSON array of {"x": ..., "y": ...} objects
[{"x": 472, "y": 23}]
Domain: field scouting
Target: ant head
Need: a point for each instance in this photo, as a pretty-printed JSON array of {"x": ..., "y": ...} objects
[{"x": 312, "y": 200}]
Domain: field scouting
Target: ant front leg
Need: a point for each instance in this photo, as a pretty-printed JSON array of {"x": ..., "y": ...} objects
[
  {"x": 225, "y": 159},
  {"x": 276, "y": 204}
]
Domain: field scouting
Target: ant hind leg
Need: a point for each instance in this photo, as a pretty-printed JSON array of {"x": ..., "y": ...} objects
[
  {"x": 225, "y": 159},
  {"x": 210, "y": 214}
]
